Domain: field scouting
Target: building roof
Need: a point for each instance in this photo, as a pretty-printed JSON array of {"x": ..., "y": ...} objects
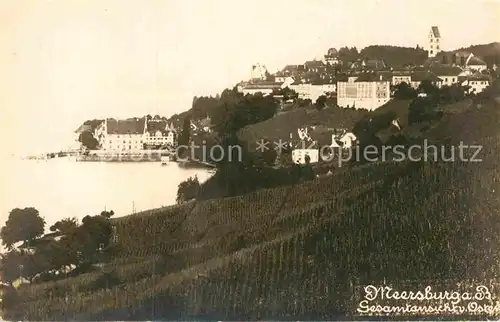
[
  {"x": 262, "y": 86},
  {"x": 290, "y": 68},
  {"x": 129, "y": 126},
  {"x": 435, "y": 31},
  {"x": 421, "y": 76},
  {"x": 475, "y": 77},
  {"x": 374, "y": 63},
  {"x": 445, "y": 70},
  {"x": 372, "y": 78},
  {"x": 314, "y": 63},
  {"x": 475, "y": 61},
  {"x": 155, "y": 125}
]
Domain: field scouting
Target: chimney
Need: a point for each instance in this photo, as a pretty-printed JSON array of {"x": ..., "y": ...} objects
[{"x": 380, "y": 76}]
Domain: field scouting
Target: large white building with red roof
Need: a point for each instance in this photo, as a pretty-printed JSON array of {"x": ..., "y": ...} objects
[{"x": 132, "y": 135}]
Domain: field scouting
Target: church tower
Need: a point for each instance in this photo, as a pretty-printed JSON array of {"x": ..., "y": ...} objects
[{"x": 434, "y": 44}]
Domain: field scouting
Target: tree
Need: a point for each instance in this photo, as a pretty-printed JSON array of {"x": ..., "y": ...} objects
[
  {"x": 87, "y": 140},
  {"x": 92, "y": 236},
  {"x": 10, "y": 267},
  {"x": 188, "y": 189},
  {"x": 9, "y": 304},
  {"x": 403, "y": 91},
  {"x": 183, "y": 138},
  {"x": 65, "y": 226},
  {"x": 23, "y": 225},
  {"x": 422, "y": 110},
  {"x": 320, "y": 102}
]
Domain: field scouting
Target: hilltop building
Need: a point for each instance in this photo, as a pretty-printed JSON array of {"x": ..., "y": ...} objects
[
  {"x": 332, "y": 57},
  {"x": 259, "y": 72},
  {"x": 434, "y": 42}
]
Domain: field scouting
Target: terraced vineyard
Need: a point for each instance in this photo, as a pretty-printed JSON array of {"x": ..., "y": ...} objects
[{"x": 294, "y": 252}]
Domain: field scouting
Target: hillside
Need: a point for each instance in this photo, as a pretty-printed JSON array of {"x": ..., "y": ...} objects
[
  {"x": 280, "y": 126},
  {"x": 295, "y": 252},
  {"x": 489, "y": 52}
]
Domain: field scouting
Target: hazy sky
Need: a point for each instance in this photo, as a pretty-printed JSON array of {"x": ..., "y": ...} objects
[{"x": 64, "y": 61}]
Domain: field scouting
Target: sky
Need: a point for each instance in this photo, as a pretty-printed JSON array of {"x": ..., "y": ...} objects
[{"x": 65, "y": 61}]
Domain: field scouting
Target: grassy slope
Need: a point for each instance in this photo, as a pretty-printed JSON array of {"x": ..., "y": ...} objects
[
  {"x": 280, "y": 126},
  {"x": 295, "y": 250}
]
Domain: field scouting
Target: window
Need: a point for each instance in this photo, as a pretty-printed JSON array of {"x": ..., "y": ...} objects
[
  {"x": 437, "y": 47},
  {"x": 432, "y": 52}
]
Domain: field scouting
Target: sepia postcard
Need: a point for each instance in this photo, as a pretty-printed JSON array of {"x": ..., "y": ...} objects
[{"x": 228, "y": 160}]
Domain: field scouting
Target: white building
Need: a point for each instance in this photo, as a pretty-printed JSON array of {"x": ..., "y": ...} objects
[
  {"x": 299, "y": 155},
  {"x": 348, "y": 140},
  {"x": 331, "y": 57},
  {"x": 475, "y": 64},
  {"x": 312, "y": 92},
  {"x": 159, "y": 134},
  {"x": 398, "y": 78},
  {"x": 259, "y": 72},
  {"x": 418, "y": 77},
  {"x": 263, "y": 88},
  {"x": 131, "y": 135},
  {"x": 434, "y": 42},
  {"x": 368, "y": 91},
  {"x": 122, "y": 135},
  {"x": 477, "y": 82},
  {"x": 448, "y": 75}
]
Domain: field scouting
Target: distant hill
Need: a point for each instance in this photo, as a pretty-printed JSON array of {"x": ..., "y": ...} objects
[
  {"x": 492, "y": 49},
  {"x": 395, "y": 56},
  {"x": 490, "y": 53}
]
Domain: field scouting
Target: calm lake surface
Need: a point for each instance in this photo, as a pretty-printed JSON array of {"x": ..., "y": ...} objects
[{"x": 61, "y": 187}]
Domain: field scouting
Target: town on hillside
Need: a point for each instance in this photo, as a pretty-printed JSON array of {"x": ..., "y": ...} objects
[
  {"x": 344, "y": 78},
  {"x": 298, "y": 225}
]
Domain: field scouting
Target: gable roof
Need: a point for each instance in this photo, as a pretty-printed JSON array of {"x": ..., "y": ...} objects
[
  {"x": 475, "y": 61},
  {"x": 371, "y": 78},
  {"x": 421, "y": 76},
  {"x": 128, "y": 126},
  {"x": 314, "y": 63},
  {"x": 475, "y": 77},
  {"x": 290, "y": 68},
  {"x": 162, "y": 126},
  {"x": 374, "y": 63},
  {"x": 435, "y": 31},
  {"x": 446, "y": 70}
]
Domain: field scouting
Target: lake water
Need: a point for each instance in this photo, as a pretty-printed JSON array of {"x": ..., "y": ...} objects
[{"x": 61, "y": 187}]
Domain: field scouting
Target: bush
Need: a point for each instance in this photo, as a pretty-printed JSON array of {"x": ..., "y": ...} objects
[{"x": 188, "y": 189}]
